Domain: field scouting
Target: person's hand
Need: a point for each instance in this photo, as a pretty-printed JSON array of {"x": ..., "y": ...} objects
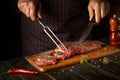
[
  {"x": 98, "y": 9},
  {"x": 31, "y": 8}
]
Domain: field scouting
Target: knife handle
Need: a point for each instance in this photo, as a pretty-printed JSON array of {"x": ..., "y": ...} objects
[{"x": 93, "y": 20}]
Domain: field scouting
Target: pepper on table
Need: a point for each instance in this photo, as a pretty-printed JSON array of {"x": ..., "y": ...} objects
[
  {"x": 20, "y": 70},
  {"x": 114, "y": 36}
]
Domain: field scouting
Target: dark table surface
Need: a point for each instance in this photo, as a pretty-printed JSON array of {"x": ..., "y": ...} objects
[{"x": 93, "y": 70}]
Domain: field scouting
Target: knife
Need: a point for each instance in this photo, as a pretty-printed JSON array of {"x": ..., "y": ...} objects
[{"x": 87, "y": 30}]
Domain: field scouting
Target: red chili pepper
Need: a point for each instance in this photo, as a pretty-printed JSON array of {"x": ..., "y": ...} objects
[{"x": 20, "y": 70}]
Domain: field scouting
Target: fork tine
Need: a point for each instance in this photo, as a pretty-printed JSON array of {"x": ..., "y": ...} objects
[
  {"x": 63, "y": 46},
  {"x": 47, "y": 30}
]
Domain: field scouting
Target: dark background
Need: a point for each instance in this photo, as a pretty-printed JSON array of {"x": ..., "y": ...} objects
[
  {"x": 10, "y": 28},
  {"x": 10, "y": 42}
]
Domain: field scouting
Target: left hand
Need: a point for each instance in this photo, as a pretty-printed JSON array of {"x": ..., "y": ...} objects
[{"x": 98, "y": 9}]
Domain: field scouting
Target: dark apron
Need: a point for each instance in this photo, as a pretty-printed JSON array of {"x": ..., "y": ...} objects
[{"x": 67, "y": 19}]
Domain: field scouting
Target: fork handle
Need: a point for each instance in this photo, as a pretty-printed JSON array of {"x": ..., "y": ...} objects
[{"x": 41, "y": 21}]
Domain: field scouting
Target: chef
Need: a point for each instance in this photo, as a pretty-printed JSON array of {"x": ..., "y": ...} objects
[{"x": 66, "y": 18}]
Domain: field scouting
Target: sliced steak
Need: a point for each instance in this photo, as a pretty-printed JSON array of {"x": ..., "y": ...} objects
[
  {"x": 59, "y": 54},
  {"x": 76, "y": 48},
  {"x": 73, "y": 49},
  {"x": 46, "y": 59},
  {"x": 91, "y": 45}
]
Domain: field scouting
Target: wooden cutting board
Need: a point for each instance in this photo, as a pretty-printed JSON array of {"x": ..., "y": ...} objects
[{"x": 103, "y": 51}]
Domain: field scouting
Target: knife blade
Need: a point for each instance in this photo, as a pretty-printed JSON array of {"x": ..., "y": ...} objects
[{"x": 87, "y": 30}]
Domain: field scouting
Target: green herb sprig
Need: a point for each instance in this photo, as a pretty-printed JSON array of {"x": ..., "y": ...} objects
[{"x": 84, "y": 59}]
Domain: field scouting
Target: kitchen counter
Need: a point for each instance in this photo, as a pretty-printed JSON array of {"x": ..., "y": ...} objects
[{"x": 93, "y": 70}]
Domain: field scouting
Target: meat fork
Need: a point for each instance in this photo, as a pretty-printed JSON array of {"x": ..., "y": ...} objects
[{"x": 52, "y": 36}]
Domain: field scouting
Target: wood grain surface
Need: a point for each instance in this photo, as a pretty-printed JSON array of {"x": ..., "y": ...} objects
[{"x": 101, "y": 52}]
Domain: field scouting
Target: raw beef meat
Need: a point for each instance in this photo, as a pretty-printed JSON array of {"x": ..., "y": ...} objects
[
  {"x": 45, "y": 59},
  {"x": 91, "y": 45},
  {"x": 59, "y": 54},
  {"x": 74, "y": 48}
]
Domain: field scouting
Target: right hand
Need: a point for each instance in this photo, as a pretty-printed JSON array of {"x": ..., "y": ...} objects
[
  {"x": 98, "y": 9},
  {"x": 31, "y": 8}
]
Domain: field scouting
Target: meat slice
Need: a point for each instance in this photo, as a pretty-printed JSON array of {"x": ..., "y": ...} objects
[
  {"x": 46, "y": 59},
  {"x": 59, "y": 54},
  {"x": 73, "y": 49},
  {"x": 76, "y": 48},
  {"x": 90, "y": 45}
]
